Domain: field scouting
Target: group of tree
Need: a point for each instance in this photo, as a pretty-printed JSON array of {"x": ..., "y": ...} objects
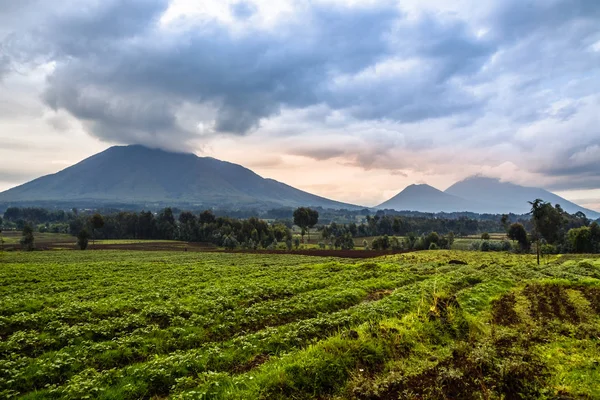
[
  {"x": 431, "y": 241},
  {"x": 379, "y": 225},
  {"x": 553, "y": 230},
  {"x": 549, "y": 228},
  {"x": 231, "y": 233}
]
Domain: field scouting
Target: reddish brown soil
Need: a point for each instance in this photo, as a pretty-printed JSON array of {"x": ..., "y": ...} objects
[{"x": 205, "y": 247}]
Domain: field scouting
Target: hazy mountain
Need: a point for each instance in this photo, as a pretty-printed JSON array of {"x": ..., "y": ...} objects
[
  {"x": 504, "y": 197},
  {"x": 139, "y": 175},
  {"x": 426, "y": 198}
]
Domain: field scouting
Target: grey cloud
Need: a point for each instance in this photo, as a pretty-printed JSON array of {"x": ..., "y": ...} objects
[
  {"x": 576, "y": 167},
  {"x": 515, "y": 18},
  {"x": 129, "y": 81},
  {"x": 243, "y": 10},
  {"x": 116, "y": 48},
  {"x": 317, "y": 152},
  {"x": 247, "y": 78}
]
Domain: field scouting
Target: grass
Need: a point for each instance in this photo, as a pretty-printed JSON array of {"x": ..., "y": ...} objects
[{"x": 129, "y": 325}]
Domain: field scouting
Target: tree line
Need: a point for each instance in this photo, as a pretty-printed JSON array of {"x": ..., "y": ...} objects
[{"x": 549, "y": 229}]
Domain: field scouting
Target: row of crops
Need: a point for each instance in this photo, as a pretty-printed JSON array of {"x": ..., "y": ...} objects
[{"x": 129, "y": 325}]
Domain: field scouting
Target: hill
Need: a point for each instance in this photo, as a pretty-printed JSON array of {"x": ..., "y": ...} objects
[
  {"x": 142, "y": 176},
  {"x": 505, "y": 197},
  {"x": 426, "y": 198}
]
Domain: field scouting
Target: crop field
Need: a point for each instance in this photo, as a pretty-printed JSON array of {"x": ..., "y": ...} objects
[{"x": 428, "y": 325}]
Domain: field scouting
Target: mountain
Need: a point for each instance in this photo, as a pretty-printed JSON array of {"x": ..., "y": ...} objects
[
  {"x": 140, "y": 175},
  {"x": 505, "y": 197},
  {"x": 426, "y": 198}
]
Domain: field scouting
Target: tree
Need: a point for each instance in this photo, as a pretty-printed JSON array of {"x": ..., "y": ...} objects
[
  {"x": 381, "y": 243},
  {"x": 207, "y": 217},
  {"x": 83, "y": 239},
  {"x": 27, "y": 240},
  {"x": 97, "y": 222},
  {"x": 450, "y": 239},
  {"x": 305, "y": 218},
  {"x": 547, "y": 220},
  {"x": 505, "y": 222},
  {"x": 165, "y": 223},
  {"x": 518, "y": 233},
  {"x": 580, "y": 240},
  {"x": 230, "y": 243},
  {"x": 1, "y": 238},
  {"x": 485, "y": 236}
]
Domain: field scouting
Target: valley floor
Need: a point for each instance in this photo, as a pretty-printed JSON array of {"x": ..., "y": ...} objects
[{"x": 437, "y": 324}]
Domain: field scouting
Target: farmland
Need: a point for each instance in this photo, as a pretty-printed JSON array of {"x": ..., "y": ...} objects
[{"x": 195, "y": 325}]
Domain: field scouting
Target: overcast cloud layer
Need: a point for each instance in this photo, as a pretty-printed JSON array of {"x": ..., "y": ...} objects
[{"x": 351, "y": 100}]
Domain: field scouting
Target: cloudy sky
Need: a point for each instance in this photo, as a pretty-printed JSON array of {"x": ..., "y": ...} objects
[{"x": 352, "y": 100}]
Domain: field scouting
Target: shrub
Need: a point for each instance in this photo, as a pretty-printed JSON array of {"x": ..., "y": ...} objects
[
  {"x": 433, "y": 246},
  {"x": 485, "y": 246},
  {"x": 485, "y": 236}
]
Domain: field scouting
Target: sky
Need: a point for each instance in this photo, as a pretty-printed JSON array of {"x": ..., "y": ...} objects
[{"x": 352, "y": 100}]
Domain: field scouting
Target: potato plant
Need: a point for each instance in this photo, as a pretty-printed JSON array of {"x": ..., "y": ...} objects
[{"x": 444, "y": 324}]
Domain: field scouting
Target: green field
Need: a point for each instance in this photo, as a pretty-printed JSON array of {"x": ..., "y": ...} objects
[{"x": 129, "y": 325}]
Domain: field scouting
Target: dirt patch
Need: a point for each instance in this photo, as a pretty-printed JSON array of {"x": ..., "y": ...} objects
[
  {"x": 592, "y": 295},
  {"x": 203, "y": 247},
  {"x": 378, "y": 294},
  {"x": 257, "y": 361},
  {"x": 503, "y": 310},
  {"x": 550, "y": 302},
  {"x": 466, "y": 376}
]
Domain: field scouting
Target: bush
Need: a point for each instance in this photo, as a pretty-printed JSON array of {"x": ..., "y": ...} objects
[
  {"x": 491, "y": 245},
  {"x": 549, "y": 249},
  {"x": 485, "y": 246},
  {"x": 433, "y": 246},
  {"x": 485, "y": 236}
]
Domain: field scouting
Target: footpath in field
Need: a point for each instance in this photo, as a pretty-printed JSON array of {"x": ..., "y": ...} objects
[{"x": 436, "y": 324}]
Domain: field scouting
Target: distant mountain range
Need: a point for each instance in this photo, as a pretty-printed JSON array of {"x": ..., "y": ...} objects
[
  {"x": 480, "y": 195},
  {"x": 140, "y": 176}
]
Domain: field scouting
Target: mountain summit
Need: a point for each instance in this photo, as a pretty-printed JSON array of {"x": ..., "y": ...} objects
[
  {"x": 478, "y": 195},
  {"x": 508, "y": 197},
  {"x": 426, "y": 198},
  {"x": 140, "y": 175}
]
